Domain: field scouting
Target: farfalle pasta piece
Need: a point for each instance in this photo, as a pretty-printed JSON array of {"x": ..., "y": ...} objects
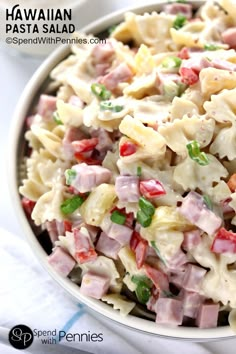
[
  {"x": 219, "y": 284},
  {"x": 98, "y": 203},
  {"x": 222, "y": 107},
  {"x": 224, "y": 144},
  {"x": 214, "y": 80},
  {"x": 219, "y": 192},
  {"x": 104, "y": 266},
  {"x": 181, "y": 131},
  {"x": 229, "y": 6},
  {"x": 181, "y": 107},
  {"x": 190, "y": 175},
  {"x": 150, "y": 140},
  {"x": 142, "y": 86},
  {"x": 151, "y": 112},
  {"x": 120, "y": 303}
]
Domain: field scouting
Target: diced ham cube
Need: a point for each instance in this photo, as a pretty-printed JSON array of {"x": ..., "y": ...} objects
[
  {"x": 178, "y": 260},
  {"x": 52, "y": 230},
  {"x": 85, "y": 145},
  {"x": 101, "y": 69},
  {"x": 84, "y": 251},
  {"x": 76, "y": 101},
  {"x": 177, "y": 279},
  {"x": 191, "y": 303},
  {"x": 151, "y": 304},
  {"x": 207, "y": 316},
  {"x": 159, "y": 279},
  {"x": 191, "y": 239},
  {"x": 61, "y": 261},
  {"x": 94, "y": 285},
  {"x": 169, "y": 311},
  {"x": 105, "y": 143},
  {"x": 152, "y": 188},
  {"x": 196, "y": 63},
  {"x": 223, "y": 64},
  {"x": 194, "y": 209},
  {"x": 108, "y": 246},
  {"x": 46, "y": 106},
  {"x": 71, "y": 135},
  {"x": 103, "y": 53},
  {"x": 120, "y": 233},
  {"x": 224, "y": 241},
  {"x": 93, "y": 231},
  {"x": 121, "y": 73},
  {"x": 178, "y": 8},
  {"x": 88, "y": 177},
  {"x": 193, "y": 278},
  {"x": 229, "y": 37},
  {"x": 28, "y": 206},
  {"x": 127, "y": 188}
]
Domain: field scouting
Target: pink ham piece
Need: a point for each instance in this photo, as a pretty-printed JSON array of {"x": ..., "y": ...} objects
[
  {"x": 178, "y": 260},
  {"x": 108, "y": 246},
  {"x": 103, "y": 53},
  {"x": 76, "y": 101},
  {"x": 177, "y": 278},
  {"x": 193, "y": 278},
  {"x": 178, "y": 8},
  {"x": 61, "y": 261},
  {"x": 93, "y": 231},
  {"x": 191, "y": 302},
  {"x": 121, "y": 73},
  {"x": 101, "y": 69},
  {"x": 223, "y": 65},
  {"x": 72, "y": 134},
  {"x": 207, "y": 316},
  {"x": 46, "y": 106},
  {"x": 84, "y": 250},
  {"x": 169, "y": 311},
  {"x": 94, "y": 285},
  {"x": 224, "y": 241},
  {"x": 194, "y": 209},
  {"x": 89, "y": 176},
  {"x": 105, "y": 143},
  {"x": 191, "y": 239},
  {"x": 151, "y": 304},
  {"x": 55, "y": 228},
  {"x": 120, "y": 233},
  {"x": 229, "y": 37},
  {"x": 127, "y": 188}
]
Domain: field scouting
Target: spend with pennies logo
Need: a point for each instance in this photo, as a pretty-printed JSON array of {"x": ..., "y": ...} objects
[{"x": 21, "y": 337}]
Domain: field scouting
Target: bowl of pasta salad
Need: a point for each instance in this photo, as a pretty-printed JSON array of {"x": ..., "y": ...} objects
[{"x": 123, "y": 164}]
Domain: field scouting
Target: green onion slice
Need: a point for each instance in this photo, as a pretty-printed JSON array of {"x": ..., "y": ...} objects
[
  {"x": 153, "y": 244},
  {"x": 109, "y": 106},
  {"x": 171, "y": 62},
  {"x": 208, "y": 201},
  {"x": 71, "y": 204},
  {"x": 142, "y": 290},
  {"x": 100, "y": 91},
  {"x": 195, "y": 154},
  {"x": 70, "y": 176},
  {"x": 212, "y": 47},
  {"x": 111, "y": 29},
  {"x": 179, "y": 21},
  {"x": 57, "y": 118},
  {"x": 139, "y": 171},
  {"x": 118, "y": 218},
  {"x": 144, "y": 219},
  {"x": 146, "y": 206}
]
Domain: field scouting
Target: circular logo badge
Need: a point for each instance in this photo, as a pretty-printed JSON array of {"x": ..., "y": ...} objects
[{"x": 21, "y": 337}]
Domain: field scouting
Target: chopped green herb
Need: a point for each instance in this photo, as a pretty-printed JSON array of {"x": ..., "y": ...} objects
[
  {"x": 181, "y": 1},
  {"x": 109, "y": 106},
  {"x": 111, "y": 29},
  {"x": 100, "y": 91},
  {"x": 153, "y": 244},
  {"x": 144, "y": 219},
  {"x": 57, "y": 118},
  {"x": 118, "y": 218},
  {"x": 71, "y": 204},
  {"x": 142, "y": 290},
  {"x": 146, "y": 206},
  {"x": 179, "y": 21},
  {"x": 139, "y": 171},
  {"x": 171, "y": 62},
  {"x": 211, "y": 47},
  {"x": 196, "y": 155},
  {"x": 70, "y": 176},
  {"x": 207, "y": 201}
]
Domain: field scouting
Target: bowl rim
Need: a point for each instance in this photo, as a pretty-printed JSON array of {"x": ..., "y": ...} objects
[{"x": 21, "y": 110}]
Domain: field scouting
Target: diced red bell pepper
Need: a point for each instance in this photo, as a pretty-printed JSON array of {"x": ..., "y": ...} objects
[
  {"x": 159, "y": 279},
  {"x": 87, "y": 256},
  {"x": 188, "y": 76},
  {"x": 139, "y": 246},
  {"x": 134, "y": 240},
  {"x": 127, "y": 148},
  {"x": 184, "y": 53},
  {"x": 224, "y": 241},
  {"x": 67, "y": 225},
  {"x": 28, "y": 206},
  {"x": 88, "y": 160},
  {"x": 85, "y": 145},
  {"x": 151, "y": 188}
]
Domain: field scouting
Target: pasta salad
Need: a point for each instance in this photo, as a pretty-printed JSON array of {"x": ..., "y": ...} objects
[{"x": 131, "y": 165}]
